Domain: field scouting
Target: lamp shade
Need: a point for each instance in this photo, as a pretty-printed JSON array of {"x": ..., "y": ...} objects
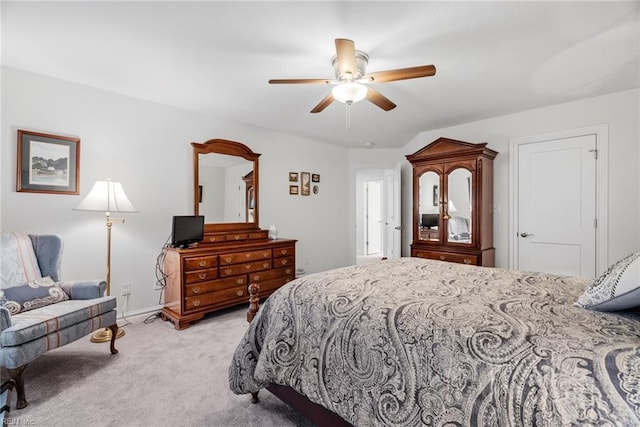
[
  {"x": 349, "y": 92},
  {"x": 106, "y": 196}
]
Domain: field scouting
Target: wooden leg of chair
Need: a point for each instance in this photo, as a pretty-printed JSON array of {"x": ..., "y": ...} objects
[
  {"x": 17, "y": 375},
  {"x": 254, "y": 397},
  {"x": 114, "y": 334}
]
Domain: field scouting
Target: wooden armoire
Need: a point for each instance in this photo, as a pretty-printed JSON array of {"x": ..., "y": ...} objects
[{"x": 453, "y": 202}]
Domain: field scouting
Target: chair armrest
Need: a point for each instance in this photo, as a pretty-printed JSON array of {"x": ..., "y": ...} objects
[
  {"x": 5, "y": 319},
  {"x": 84, "y": 289}
]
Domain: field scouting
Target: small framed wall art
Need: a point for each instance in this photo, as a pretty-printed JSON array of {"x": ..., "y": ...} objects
[
  {"x": 315, "y": 177},
  {"x": 293, "y": 176},
  {"x": 48, "y": 163},
  {"x": 305, "y": 178},
  {"x": 293, "y": 189}
]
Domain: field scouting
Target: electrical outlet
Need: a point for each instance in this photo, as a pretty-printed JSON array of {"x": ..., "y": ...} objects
[{"x": 126, "y": 289}]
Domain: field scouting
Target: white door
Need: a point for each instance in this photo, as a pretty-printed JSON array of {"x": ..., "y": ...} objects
[
  {"x": 393, "y": 212},
  {"x": 373, "y": 217},
  {"x": 556, "y": 202}
]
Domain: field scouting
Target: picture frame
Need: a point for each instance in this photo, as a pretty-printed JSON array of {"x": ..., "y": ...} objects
[
  {"x": 305, "y": 183},
  {"x": 48, "y": 163},
  {"x": 293, "y": 176},
  {"x": 435, "y": 195},
  {"x": 315, "y": 177},
  {"x": 293, "y": 189}
]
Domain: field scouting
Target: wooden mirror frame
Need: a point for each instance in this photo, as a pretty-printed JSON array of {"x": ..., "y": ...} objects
[{"x": 232, "y": 148}]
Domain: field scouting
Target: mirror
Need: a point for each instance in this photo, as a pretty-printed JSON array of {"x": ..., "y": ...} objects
[
  {"x": 459, "y": 206},
  {"x": 429, "y": 207},
  {"x": 225, "y": 185}
]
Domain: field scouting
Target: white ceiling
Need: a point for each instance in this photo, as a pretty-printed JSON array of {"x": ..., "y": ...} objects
[{"x": 215, "y": 58}]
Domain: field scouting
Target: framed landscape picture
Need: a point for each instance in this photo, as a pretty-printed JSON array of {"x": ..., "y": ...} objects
[
  {"x": 305, "y": 187},
  {"x": 48, "y": 163}
]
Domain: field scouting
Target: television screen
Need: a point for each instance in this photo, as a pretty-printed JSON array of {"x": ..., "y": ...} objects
[
  {"x": 429, "y": 220},
  {"x": 187, "y": 229}
]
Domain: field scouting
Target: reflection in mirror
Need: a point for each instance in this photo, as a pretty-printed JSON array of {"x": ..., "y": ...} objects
[
  {"x": 225, "y": 189},
  {"x": 459, "y": 206},
  {"x": 429, "y": 208}
]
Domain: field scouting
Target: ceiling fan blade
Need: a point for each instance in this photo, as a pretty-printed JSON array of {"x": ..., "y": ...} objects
[
  {"x": 323, "y": 104},
  {"x": 346, "y": 54},
  {"x": 379, "y": 99},
  {"x": 295, "y": 81},
  {"x": 402, "y": 74}
]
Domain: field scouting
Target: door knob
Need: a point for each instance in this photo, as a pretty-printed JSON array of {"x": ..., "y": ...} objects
[
  {"x": 398, "y": 228},
  {"x": 525, "y": 235}
]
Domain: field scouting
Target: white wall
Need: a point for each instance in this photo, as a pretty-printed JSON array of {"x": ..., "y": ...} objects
[
  {"x": 147, "y": 147},
  {"x": 620, "y": 111}
]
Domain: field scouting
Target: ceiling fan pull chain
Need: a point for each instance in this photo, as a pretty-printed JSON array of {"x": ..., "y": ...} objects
[{"x": 348, "y": 116}]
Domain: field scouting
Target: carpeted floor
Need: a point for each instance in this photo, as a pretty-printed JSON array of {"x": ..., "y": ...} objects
[{"x": 161, "y": 377}]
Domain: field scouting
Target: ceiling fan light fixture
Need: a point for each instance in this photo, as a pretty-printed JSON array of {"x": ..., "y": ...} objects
[{"x": 349, "y": 92}]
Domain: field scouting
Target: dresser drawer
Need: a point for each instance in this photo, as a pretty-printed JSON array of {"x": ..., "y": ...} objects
[
  {"x": 200, "y": 263},
  {"x": 271, "y": 274},
  {"x": 249, "y": 267},
  {"x": 259, "y": 235},
  {"x": 236, "y": 237},
  {"x": 214, "y": 238},
  {"x": 282, "y": 252},
  {"x": 447, "y": 256},
  {"x": 200, "y": 275},
  {"x": 268, "y": 286},
  {"x": 215, "y": 285},
  {"x": 238, "y": 257},
  {"x": 217, "y": 297},
  {"x": 284, "y": 262}
]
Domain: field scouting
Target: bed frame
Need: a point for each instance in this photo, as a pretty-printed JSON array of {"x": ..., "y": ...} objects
[{"x": 317, "y": 414}]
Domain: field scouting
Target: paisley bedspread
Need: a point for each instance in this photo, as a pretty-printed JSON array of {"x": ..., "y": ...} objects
[{"x": 418, "y": 342}]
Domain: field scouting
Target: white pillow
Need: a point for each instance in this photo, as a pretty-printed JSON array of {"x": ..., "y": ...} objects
[
  {"x": 19, "y": 263},
  {"x": 617, "y": 289}
]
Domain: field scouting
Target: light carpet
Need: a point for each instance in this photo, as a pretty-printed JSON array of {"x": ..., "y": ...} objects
[{"x": 161, "y": 377}]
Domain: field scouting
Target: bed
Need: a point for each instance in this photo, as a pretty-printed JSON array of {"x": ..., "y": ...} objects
[{"x": 412, "y": 341}]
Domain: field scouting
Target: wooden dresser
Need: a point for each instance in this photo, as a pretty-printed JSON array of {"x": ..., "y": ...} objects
[{"x": 216, "y": 274}]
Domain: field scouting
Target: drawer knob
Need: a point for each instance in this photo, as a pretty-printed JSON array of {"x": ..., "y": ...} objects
[
  {"x": 288, "y": 271},
  {"x": 196, "y": 302},
  {"x": 228, "y": 271},
  {"x": 285, "y": 262},
  {"x": 237, "y": 237},
  {"x": 284, "y": 252},
  {"x": 265, "y": 265},
  {"x": 467, "y": 261},
  {"x": 202, "y": 275},
  {"x": 239, "y": 292},
  {"x": 248, "y": 255},
  {"x": 240, "y": 281},
  {"x": 442, "y": 257},
  {"x": 196, "y": 290},
  {"x": 212, "y": 239},
  {"x": 247, "y": 266},
  {"x": 228, "y": 260},
  {"x": 256, "y": 277},
  {"x": 202, "y": 263}
]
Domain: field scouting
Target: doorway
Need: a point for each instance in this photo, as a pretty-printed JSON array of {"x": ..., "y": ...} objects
[
  {"x": 558, "y": 206},
  {"x": 378, "y": 214}
]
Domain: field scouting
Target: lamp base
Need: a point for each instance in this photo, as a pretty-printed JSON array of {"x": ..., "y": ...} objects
[{"x": 104, "y": 335}]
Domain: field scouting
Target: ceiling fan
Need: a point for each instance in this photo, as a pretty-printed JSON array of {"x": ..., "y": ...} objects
[{"x": 350, "y": 83}]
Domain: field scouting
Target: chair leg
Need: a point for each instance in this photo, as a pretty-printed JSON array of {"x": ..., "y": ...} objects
[
  {"x": 17, "y": 374},
  {"x": 114, "y": 334}
]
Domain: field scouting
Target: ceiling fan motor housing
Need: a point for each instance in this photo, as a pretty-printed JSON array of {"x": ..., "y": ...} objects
[{"x": 362, "y": 59}]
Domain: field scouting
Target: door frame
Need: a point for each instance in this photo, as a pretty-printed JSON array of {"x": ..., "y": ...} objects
[{"x": 601, "y": 133}]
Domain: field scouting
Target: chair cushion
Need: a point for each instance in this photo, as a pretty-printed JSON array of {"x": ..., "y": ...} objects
[
  {"x": 31, "y": 295},
  {"x": 618, "y": 288},
  {"x": 30, "y": 325},
  {"x": 18, "y": 260}
]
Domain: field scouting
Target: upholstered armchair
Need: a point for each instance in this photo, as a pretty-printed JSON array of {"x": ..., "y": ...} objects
[{"x": 38, "y": 311}]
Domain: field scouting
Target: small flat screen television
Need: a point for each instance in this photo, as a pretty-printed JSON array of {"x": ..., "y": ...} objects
[
  {"x": 429, "y": 220},
  {"x": 187, "y": 229}
]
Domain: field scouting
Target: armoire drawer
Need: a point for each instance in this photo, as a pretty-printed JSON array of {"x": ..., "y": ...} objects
[
  {"x": 284, "y": 262},
  {"x": 448, "y": 256},
  {"x": 282, "y": 252}
]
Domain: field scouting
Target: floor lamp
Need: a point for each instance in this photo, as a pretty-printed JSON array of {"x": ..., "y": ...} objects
[{"x": 108, "y": 197}]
